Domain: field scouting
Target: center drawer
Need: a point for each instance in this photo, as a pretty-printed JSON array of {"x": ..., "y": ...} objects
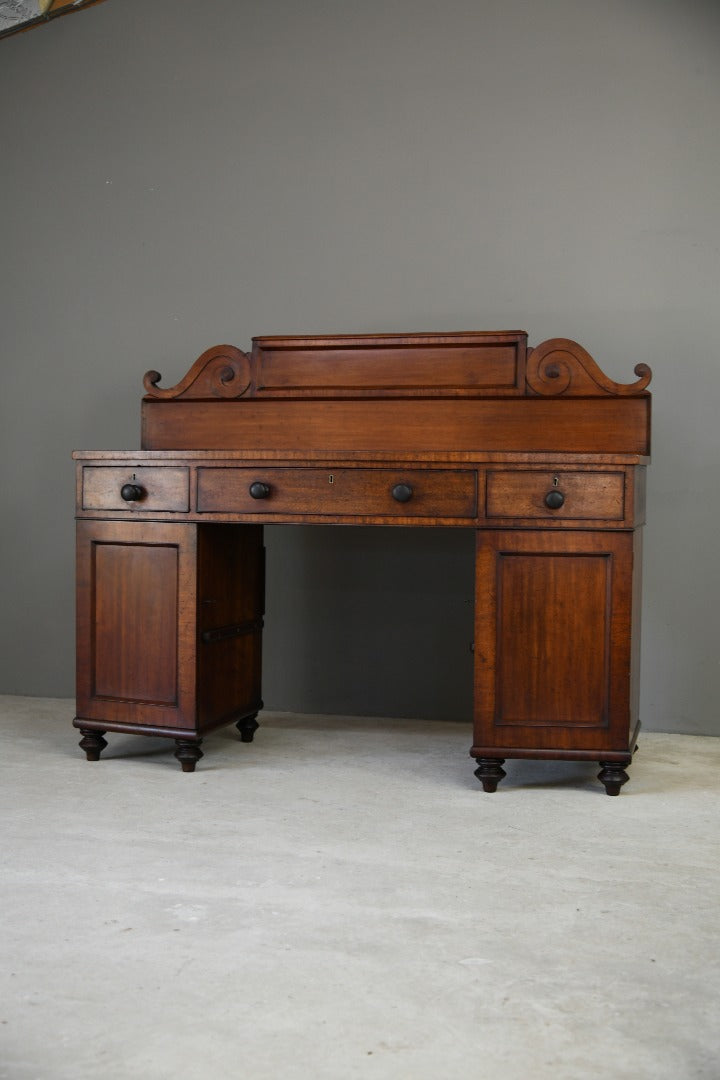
[{"x": 352, "y": 492}]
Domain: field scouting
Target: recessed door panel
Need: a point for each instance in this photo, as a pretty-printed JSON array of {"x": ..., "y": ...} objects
[
  {"x": 136, "y": 625},
  {"x": 135, "y": 622},
  {"x": 553, "y": 639}
]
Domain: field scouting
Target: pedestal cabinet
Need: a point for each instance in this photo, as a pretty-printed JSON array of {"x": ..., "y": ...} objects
[
  {"x": 555, "y": 674},
  {"x": 169, "y": 630},
  {"x": 535, "y": 449}
]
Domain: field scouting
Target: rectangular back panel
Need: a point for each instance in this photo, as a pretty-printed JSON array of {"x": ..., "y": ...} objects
[
  {"x": 461, "y": 363},
  {"x": 402, "y": 426}
]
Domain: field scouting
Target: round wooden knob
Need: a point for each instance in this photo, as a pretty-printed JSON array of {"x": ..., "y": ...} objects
[
  {"x": 554, "y": 499},
  {"x": 131, "y": 492},
  {"x": 402, "y": 493},
  {"x": 258, "y": 490}
]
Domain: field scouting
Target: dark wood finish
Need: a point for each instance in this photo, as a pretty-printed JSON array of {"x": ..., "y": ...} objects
[
  {"x": 135, "y": 586},
  {"x": 188, "y": 753},
  {"x": 472, "y": 364},
  {"x": 426, "y": 364},
  {"x": 401, "y": 427},
  {"x": 537, "y": 449},
  {"x": 247, "y": 728},
  {"x": 354, "y": 458},
  {"x": 92, "y": 743},
  {"x": 490, "y": 772},
  {"x": 585, "y": 495},
  {"x": 553, "y": 646},
  {"x": 552, "y": 639},
  {"x": 230, "y": 623},
  {"x": 159, "y": 488},
  {"x": 333, "y": 492},
  {"x": 560, "y": 366},
  {"x": 308, "y": 489},
  {"x": 221, "y": 372},
  {"x": 169, "y": 626},
  {"x": 613, "y": 776},
  {"x": 136, "y": 603}
]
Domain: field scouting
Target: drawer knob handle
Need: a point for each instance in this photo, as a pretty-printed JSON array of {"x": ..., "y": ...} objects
[
  {"x": 258, "y": 490},
  {"x": 554, "y": 499},
  {"x": 131, "y": 492},
  {"x": 402, "y": 493}
]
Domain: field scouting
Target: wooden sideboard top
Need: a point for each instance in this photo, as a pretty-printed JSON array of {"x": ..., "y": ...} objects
[
  {"x": 388, "y": 394},
  {"x": 480, "y": 457}
]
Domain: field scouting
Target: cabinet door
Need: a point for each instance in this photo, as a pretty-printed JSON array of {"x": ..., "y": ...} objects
[
  {"x": 553, "y": 642},
  {"x": 136, "y": 626}
]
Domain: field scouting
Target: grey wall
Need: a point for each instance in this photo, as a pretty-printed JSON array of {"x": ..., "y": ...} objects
[{"x": 177, "y": 175}]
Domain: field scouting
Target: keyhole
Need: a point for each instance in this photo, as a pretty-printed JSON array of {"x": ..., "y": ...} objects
[
  {"x": 556, "y": 481},
  {"x": 331, "y": 479}
]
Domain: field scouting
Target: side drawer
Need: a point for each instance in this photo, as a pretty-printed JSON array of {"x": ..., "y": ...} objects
[
  {"x": 339, "y": 492},
  {"x": 156, "y": 488},
  {"x": 582, "y": 496}
]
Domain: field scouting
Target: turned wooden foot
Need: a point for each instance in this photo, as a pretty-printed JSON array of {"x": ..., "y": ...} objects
[
  {"x": 188, "y": 753},
  {"x": 92, "y": 743},
  {"x": 612, "y": 774},
  {"x": 490, "y": 772},
  {"x": 247, "y": 727}
]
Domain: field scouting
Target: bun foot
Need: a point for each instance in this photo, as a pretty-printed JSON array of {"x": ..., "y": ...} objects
[
  {"x": 612, "y": 774},
  {"x": 188, "y": 753},
  {"x": 247, "y": 727},
  {"x": 490, "y": 772},
  {"x": 92, "y": 743}
]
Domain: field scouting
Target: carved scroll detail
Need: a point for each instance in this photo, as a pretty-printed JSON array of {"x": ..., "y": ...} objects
[
  {"x": 560, "y": 366},
  {"x": 221, "y": 372}
]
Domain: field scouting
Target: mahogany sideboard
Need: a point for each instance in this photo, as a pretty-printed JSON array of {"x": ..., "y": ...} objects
[{"x": 537, "y": 450}]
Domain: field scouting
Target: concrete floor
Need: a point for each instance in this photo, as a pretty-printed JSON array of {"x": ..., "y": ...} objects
[{"x": 341, "y": 900}]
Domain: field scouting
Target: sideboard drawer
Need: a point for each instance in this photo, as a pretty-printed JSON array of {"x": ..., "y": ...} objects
[
  {"x": 113, "y": 487},
  {"x": 560, "y": 494},
  {"x": 339, "y": 492}
]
